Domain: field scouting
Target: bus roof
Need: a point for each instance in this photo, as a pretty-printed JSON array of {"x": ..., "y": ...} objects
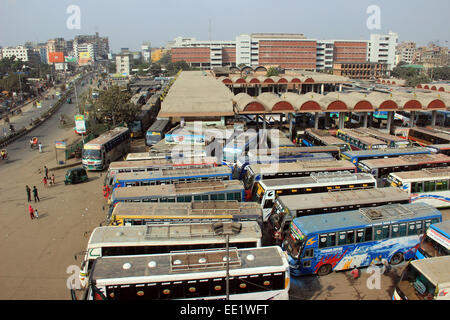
[
  {"x": 443, "y": 226},
  {"x": 406, "y": 160},
  {"x": 434, "y": 269},
  {"x": 325, "y": 136},
  {"x": 107, "y": 136},
  {"x": 378, "y": 133},
  {"x": 365, "y": 216},
  {"x": 186, "y": 209},
  {"x": 177, "y": 172},
  {"x": 158, "y": 162},
  {"x": 340, "y": 198},
  {"x": 179, "y": 262},
  {"x": 154, "y": 233},
  {"x": 191, "y": 188},
  {"x": 425, "y": 174},
  {"x": 385, "y": 152},
  {"x": 320, "y": 178},
  {"x": 302, "y": 166},
  {"x": 436, "y": 133},
  {"x": 293, "y": 151},
  {"x": 159, "y": 125},
  {"x": 364, "y": 137},
  {"x": 443, "y": 146}
]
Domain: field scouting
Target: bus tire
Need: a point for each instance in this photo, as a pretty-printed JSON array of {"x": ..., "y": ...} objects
[
  {"x": 396, "y": 258},
  {"x": 324, "y": 270}
]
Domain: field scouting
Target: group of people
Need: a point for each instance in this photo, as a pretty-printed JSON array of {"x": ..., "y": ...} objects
[
  {"x": 33, "y": 212},
  {"x": 47, "y": 179}
]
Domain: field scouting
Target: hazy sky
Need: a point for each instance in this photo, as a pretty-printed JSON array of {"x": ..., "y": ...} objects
[{"x": 128, "y": 23}]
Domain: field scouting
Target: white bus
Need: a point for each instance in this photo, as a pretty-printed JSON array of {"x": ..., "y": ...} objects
[
  {"x": 98, "y": 153},
  {"x": 425, "y": 279},
  {"x": 426, "y": 185},
  {"x": 254, "y": 274},
  {"x": 162, "y": 238},
  {"x": 265, "y": 192}
]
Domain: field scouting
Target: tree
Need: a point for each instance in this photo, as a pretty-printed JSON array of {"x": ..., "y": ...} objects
[
  {"x": 113, "y": 106},
  {"x": 417, "y": 79},
  {"x": 155, "y": 69},
  {"x": 165, "y": 59},
  {"x": 12, "y": 82},
  {"x": 272, "y": 72}
]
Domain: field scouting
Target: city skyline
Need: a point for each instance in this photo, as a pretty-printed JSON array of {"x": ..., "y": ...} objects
[{"x": 130, "y": 26}]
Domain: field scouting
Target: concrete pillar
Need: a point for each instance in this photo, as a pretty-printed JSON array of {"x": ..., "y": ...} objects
[
  {"x": 433, "y": 117},
  {"x": 181, "y": 122},
  {"x": 222, "y": 121},
  {"x": 259, "y": 90},
  {"x": 340, "y": 87},
  {"x": 290, "y": 118},
  {"x": 316, "y": 120},
  {"x": 322, "y": 88},
  {"x": 264, "y": 121},
  {"x": 366, "y": 118},
  {"x": 281, "y": 121},
  {"x": 411, "y": 120},
  {"x": 390, "y": 118},
  {"x": 341, "y": 120}
]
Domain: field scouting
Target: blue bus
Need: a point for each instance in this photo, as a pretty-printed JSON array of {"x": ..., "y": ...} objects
[
  {"x": 356, "y": 156},
  {"x": 319, "y": 244},
  {"x": 435, "y": 242},
  {"x": 170, "y": 176},
  {"x": 240, "y": 169}
]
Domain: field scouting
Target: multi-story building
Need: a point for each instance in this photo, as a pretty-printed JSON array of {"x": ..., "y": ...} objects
[
  {"x": 123, "y": 63},
  {"x": 382, "y": 48},
  {"x": 361, "y": 70},
  {"x": 56, "y": 45},
  {"x": 431, "y": 56},
  {"x": 146, "y": 51},
  {"x": 21, "y": 53},
  {"x": 405, "y": 52}
]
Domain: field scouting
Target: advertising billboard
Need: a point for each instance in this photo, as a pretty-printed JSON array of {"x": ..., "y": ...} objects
[
  {"x": 56, "y": 57},
  {"x": 80, "y": 125}
]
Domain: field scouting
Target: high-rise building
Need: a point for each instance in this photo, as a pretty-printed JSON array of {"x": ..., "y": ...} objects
[
  {"x": 405, "y": 52},
  {"x": 382, "y": 48},
  {"x": 21, "y": 53},
  {"x": 146, "y": 51},
  {"x": 123, "y": 63}
]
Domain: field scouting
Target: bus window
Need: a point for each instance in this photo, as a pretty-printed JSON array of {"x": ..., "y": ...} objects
[
  {"x": 419, "y": 229},
  {"x": 342, "y": 239},
  {"x": 331, "y": 240},
  {"x": 416, "y": 187},
  {"x": 381, "y": 232},
  {"x": 359, "y": 235},
  {"x": 309, "y": 253},
  {"x": 350, "y": 237},
  {"x": 368, "y": 234},
  {"x": 429, "y": 186},
  {"x": 268, "y": 204},
  {"x": 411, "y": 229},
  {"x": 441, "y": 185},
  {"x": 322, "y": 241}
]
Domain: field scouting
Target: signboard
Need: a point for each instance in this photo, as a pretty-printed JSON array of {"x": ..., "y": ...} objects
[
  {"x": 70, "y": 59},
  {"x": 185, "y": 139},
  {"x": 84, "y": 55},
  {"x": 55, "y": 57},
  {"x": 80, "y": 125},
  {"x": 60, "y": 66},
  {"x": 38, "y": 105},
  {"x": 60, "y": 144}
]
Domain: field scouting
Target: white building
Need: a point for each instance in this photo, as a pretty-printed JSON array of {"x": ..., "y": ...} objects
[
  {"x": 324, "y": 54},
  {"x": 123, "y": 63},
  {"x": 20, "y": 53},
  {"x": 382, "y": 48},
  {"x": 405, "y": 52},
  {"x": 146, "y": 51}
]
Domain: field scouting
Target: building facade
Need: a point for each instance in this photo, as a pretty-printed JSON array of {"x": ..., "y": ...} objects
[
  {"x": 361, "y": 70},
  {"x": 382, "y": 49},
  {"x": 21, "y": 53},
  {"x": 123, "y": 63}
]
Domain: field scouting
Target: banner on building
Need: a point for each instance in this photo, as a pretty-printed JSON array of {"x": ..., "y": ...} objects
[
  {"x": 60, "y": 144},
  {"x": 80, "y": 125},
  {"x": 60, "y": 66},
  {"x": 70, "y": 59},
  {"x": 56, "y": 57},
  {"x": 84, "y": 55}
]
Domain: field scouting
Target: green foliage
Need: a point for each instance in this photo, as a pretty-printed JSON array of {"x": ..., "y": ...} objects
[
  {"x": 440, "y": 73},
  {"x": 11, "y": 83},
  {"x": 173, "y": 67},
  {"x": 417, "y": 79},
  {"x": 113, "y": 106},
  {"x": 272, "y": 72},
  {"x": 165, "y": 59},
  {"x": 155, "y": 69}
]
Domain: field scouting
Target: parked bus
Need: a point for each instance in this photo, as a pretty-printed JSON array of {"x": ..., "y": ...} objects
[
  {"x": 435, "y": 242},
  {"x": 130, "y": 213},
  {"x": 443, "y": 118},
  {"x": 157, "y": 131},
  {"x": 381, "y": 168},
  {"x": 141, "y": 123},
  {"x": 425, "y": 136},
  {"x": 294, "y": 152},
  {"x": 240, "y": 167},
  {"x": 287, "y": 208},
  {"x": 425, "y": 279},
  {"x": 319, "y": 244},
  {"x": 257, "y": 172},
  {"x": 265, "y": 192},
  {"x": 317, "y": 137},
  {"x": 356, "y": 156},
  {"x": 360, "y": 141},
  {"x": 255, "y": 274},
  {"x": 440, "y": 148},
  {"x": 427, "y": 185},
  {"x": 237, "y": 144},
  {"x": 392, "y": 141},
  {"x": 162, "y": 238},
  {"x": 171, "y": 176},
  {"x": 110, "y": 146},
  {"x": 180, "y": 192},
  {"x": 277, "y": 139},
  {"x": 156, "y": 164}
]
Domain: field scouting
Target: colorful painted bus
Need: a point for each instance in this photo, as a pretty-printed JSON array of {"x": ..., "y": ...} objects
[
  {"x": 277, "y": 139},
  {"x": 171, "y": 176},
  {"x": 287, "y": 208},
  {"x": 381, "y": 168},
  {"x": 323, "y": 243},
  {"x": 317, "y": 137},
  {"x": 161, "y": 238},
  {"x": 255, "y": 274},
  {"x": 98, "y": 153},
  {"x": 157, "y": 131},
  {"x": 265, "y": 192},
  {"x": 425, "y": 279},
  {"x": 426, "y": 136},
  {"x": 293, "y": 152},
  {"x": 132, "y": 213},
  {"x": 257, "y": 172},
  {"x": 435, "y": 242},
  {"x": 359, "y": 141},
  {"x": 356, "y": 156},
  {"x": 440, "y": 148},
  {"x": 427, "y": 185},
  {"x": 392, "y": 141}
]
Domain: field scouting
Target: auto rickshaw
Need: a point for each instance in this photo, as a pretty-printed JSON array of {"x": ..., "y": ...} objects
[
  {"x": 75, "y": 175},
  {"x": 34, "y": 142}
]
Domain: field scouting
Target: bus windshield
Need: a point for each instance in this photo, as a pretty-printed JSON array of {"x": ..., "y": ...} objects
[
  {"x": 248, "y": 180},
  {"x": 294, "y": 242},
  {"x": 95, "y": 154},
  {"x": 414, "y": 286},
  {"x": 431, "y": 248}
]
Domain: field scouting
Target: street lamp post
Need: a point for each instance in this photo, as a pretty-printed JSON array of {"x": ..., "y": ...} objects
[{"x": 227, "y": 229}]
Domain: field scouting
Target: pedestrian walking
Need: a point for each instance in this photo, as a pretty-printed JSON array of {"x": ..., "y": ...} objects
[
  {"x": 28, "y": 193},
  {"x": 387, "y": 266},
  {"x": 36, "y": 214},
  {"x": 40, "y": 147},
  {"x": 45, "y": 181},
  {"x": 4, "y": 132},
  {"x": 46, "y": 171},
  {"x": 52, "y": 178},
  {"x": 31, "y": 210},
  {"x": 35, "y": 194}
]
